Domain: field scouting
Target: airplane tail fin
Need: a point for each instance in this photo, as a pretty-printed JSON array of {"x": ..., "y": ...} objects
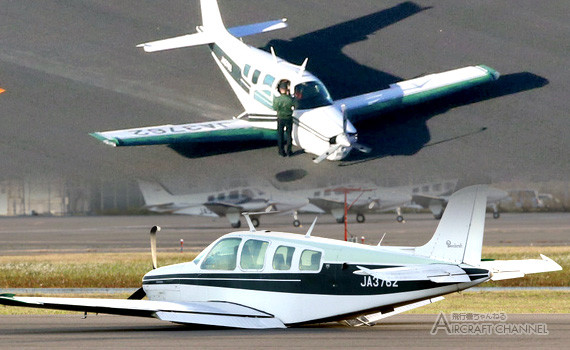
[
  {"x": 212, "y": 30},
  {"x": 154, "y": 193},
  {"x": 211, "y": 16},
  {"x": 459, "y": 235}
]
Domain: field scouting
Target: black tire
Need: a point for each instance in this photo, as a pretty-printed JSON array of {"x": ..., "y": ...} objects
[
  {"x": 236, "y": 224},
  {"x": 255, "y": 222},
  {"x": 360, "y": 218},
  {"x": 296, "y": 223},
  {"x": 400, "y": 218}
]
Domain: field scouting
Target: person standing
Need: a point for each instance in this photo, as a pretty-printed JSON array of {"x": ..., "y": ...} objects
[{"x": 284, "y": 105}]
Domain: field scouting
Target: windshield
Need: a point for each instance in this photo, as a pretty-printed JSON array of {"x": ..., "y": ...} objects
[{"x": 311, "y": 94}]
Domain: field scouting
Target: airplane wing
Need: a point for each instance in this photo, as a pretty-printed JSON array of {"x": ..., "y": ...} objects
[
  {"x": 211, "y": 313},
  {"x": 438, "y": 273},
  {"x": 414, "y": 91},
  {"x": 506, "y": 269},
  {"x": 327, "y": 205},
  {"x": 214, "y": 131}
]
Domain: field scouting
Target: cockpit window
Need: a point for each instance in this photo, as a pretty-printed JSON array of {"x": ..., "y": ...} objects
[
  {"x": 253, "y": 254},
  {"x": 310, "y": 260},
  {"x": 223, "y": 255},
  {"x": 311, "y": 94}
]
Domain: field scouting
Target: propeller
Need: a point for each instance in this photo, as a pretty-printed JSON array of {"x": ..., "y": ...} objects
[
  {"x": 342, "y": 140},
  {"x": 153, "y": 232},
  {"x": 140, "y": 293}
]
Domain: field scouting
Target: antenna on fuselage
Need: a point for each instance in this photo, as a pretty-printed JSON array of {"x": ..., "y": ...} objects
[
  {"x": 273, "y": 54},
  {"x": 153, "y": 232},
  {"x": 303, "y": 67},
  {"x": 249, "y": 222},
  {"x": 308, "y": 234},
  {"x": 381, "y": 239}
]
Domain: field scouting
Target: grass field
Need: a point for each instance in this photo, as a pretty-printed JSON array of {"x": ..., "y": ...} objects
[{"x": 125, "y": 270}]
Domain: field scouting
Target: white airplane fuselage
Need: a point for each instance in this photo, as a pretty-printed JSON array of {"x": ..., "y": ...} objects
[
  {"x": 253, "y": 75},
  {"x": 304, "y": 290}
]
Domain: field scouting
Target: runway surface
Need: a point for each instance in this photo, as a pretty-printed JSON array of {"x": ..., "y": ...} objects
[
  {"x": 34, "y": 235},
  {"x": 73, "y": 68},
  {"x": 402, "y": 331}
]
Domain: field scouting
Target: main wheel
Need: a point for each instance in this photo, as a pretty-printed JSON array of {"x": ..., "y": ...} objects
[
  {"x": 360, "y": 218},
  {"x": 296, "y": 223},
  {"x": 400, "y": 218},
  {"x": 255, "y": 222},
  {"x": 236, "y": 224}
]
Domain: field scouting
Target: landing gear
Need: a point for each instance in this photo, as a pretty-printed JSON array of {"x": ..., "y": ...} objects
[
  {"x": 236, "y": 224},
  {"x": 255, "y": 222},
  {"x": 400, "y": 218},
  {"x": 296, "y": 223},
  {"x": 496, "y": 215},
  {"x": 340, "y": 220},
  {"x": 360, "y": 218}
]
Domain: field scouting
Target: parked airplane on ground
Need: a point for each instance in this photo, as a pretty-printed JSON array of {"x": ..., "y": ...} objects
[
  {"x": 266, "y": 279},
  {"x": 230, "y": 203},
  {"x": 434, "y": 196},
  {"x": 360, "y": 200},
  {"x": 321, "y": 126}
]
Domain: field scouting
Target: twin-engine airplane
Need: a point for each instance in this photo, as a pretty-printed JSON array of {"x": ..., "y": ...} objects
[
  {"x": 229, "y": 204},
  {"x": 265, "y": 279},
  {"x": 322, "y": 126}
]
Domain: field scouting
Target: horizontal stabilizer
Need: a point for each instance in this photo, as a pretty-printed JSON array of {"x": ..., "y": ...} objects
[
  {"x": 438, "y": 273},
  {"x": 178, "y": 42},
  {"x": 507, "y": 269},
  {"x": 257, "y": 28}
]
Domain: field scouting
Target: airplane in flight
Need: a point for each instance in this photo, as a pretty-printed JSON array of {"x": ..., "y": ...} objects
[
  {"x": 230, "y": 203},
  {"x": 265, "y": 279},
  {"x": 322, "y": 126}
]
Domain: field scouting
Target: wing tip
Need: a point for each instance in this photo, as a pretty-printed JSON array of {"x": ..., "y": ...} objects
[{"x": 111, "y": 142}]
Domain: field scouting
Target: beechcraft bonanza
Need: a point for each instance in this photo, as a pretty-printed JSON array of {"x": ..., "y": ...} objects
[
  {"x": 321, "y": 127},
  {"x": 266, "y": 279}
]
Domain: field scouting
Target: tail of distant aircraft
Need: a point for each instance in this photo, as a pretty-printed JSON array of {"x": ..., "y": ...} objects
[
  {"x": 154, "y": 193},
  {"x": 459, "y": 236}
]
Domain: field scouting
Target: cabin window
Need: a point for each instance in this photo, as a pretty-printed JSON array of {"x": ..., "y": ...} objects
[
  {"x": 255, "y": 77},
  {"x": 223, "y": 255},
  {"x": 234, "y": 194},
  {"x": 253, "y": 254},
  {"x": 268, "y": 80},
  {"x": 317, "y": 194},
  {"x": 437, "y": 187},
  {"x": 221, "y": 196},
  {"x": 425, "y": 188},
  {"x": 310, "y": 260},
  {"x": 211, "y": 198},
  {"x": 246, "y": 69},
  {"x": 283, "y": 258}
]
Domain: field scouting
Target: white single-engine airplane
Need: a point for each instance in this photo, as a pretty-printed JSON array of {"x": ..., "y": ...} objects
[
  {"x": 321, "y": 125},
  {"x": 266, "y": 279}
]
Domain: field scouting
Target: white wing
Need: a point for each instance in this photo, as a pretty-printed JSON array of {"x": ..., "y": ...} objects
[{"x": 206, "y": 313}]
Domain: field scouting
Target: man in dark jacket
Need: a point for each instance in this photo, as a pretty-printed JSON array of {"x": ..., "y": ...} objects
[{"x": 284, "y": 106}]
